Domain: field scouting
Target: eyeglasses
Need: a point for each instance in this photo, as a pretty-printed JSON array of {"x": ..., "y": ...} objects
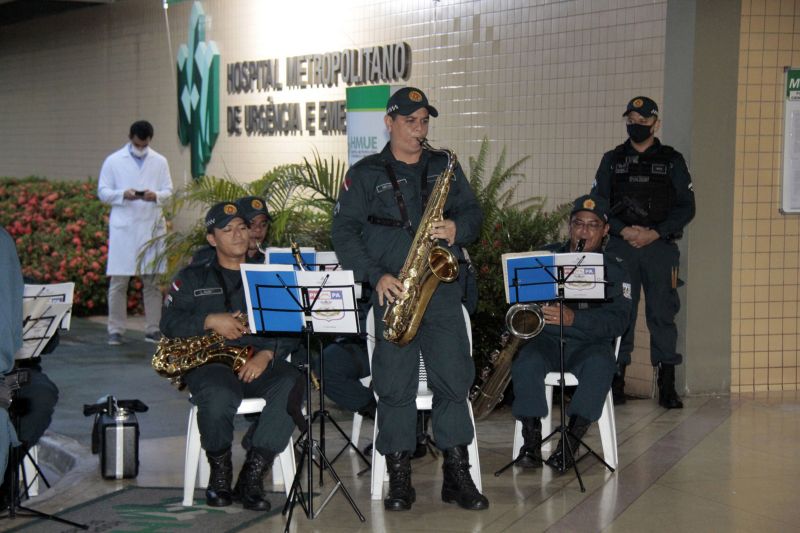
[{"x": 591, "y": 225}]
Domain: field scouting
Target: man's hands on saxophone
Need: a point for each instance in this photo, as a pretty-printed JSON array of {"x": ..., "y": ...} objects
[
  {"x": 255, "y": 366},
  {"x": 552, "y": 314},
  {"x": 226, "y": 324},
  {"x": 389, "y": 287},
  {"x": 445, "y": 230}
]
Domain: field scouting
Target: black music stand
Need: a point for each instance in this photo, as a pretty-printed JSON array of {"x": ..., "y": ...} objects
[
  {"x": 15, "y": 508},
  {"x": 304, "y": 305},
  {"x": 559, "y": 278},
  {"x": 322, "y": 413}
]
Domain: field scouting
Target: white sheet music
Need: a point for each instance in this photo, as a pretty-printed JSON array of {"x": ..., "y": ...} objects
[
  {"x": 334, "y": 309},
  {"x": 55, "y": 293},
  {"x": 41, "y": 319}
]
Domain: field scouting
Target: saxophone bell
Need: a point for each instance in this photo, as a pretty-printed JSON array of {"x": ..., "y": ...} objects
[{"x": 525, "y": 321}]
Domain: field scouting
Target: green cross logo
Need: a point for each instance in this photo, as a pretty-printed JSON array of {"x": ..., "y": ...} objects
[{"x": 198, "y": 92}]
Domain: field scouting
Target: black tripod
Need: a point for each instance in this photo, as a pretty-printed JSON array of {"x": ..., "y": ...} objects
[
  {"x": 309, "y": 445},
  {"x": 15, "y": 508},
  {"x": 563, "y": 430},
  {"x": 323, "y": 414}
]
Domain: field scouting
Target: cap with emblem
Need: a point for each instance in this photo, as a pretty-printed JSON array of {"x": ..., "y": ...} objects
[
  {"x": 221, "y": 214},
  {"x": 592, "y": 203},
  {"x": 407, "y": 100},
  {"x": 252, "y": 206},
  {"x": 642, "y": 105}
]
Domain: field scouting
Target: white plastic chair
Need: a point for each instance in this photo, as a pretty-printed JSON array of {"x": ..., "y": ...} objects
[
  {"x": 606, "y": 424},
  {"x": 358, "y": 419},
  {"x": 196, "y": 461},
  {"x": 31, "y": 475},
  {"x": 424, "y": 402}
]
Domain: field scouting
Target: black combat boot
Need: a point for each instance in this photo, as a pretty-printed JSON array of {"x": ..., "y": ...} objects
[
  {"x": 530, "y": 455},
  {"x": 458, "y": 486},
  {"x": 618, "y": 385},
  {"x": 577, "y": 429},
  {"x": 667, "y": 396},
  {"x": 401, "y": 494},
  {"x": 249, "y": 487},
  {"x": 218, "y": 492}
]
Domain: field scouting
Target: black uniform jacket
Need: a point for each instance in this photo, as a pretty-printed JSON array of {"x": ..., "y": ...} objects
[
  {"x": 681, "y": 213},
  {"x": 599, "y": 320},
  {"x": 198, "y": 291},
  {"x": 373, "y": 249}
]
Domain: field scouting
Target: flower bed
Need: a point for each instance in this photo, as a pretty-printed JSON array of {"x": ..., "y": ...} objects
[{"x": 61, "y": 232}]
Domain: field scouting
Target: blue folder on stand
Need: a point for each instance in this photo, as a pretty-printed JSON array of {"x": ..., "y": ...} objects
[
  {"x": 529, "y": 280},
  {"x": 273, "y": 299}
]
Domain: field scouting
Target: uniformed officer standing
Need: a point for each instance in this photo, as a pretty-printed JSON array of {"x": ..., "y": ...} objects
[
  {"x": 651, "y": 196},
  {"x": 207, "y": 297},
  {"x": 380, "y": 205},
  {"x": 589, "y": 331}
]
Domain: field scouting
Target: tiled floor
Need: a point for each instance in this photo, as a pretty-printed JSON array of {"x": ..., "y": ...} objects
[{"x": 720, "y": 464}]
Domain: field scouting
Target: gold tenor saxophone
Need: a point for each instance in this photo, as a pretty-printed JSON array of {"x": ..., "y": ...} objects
[
  {"x": 175, "y": 357},
  {"x": 426, "y": 264},
  {"x": 523, "y": 322}
]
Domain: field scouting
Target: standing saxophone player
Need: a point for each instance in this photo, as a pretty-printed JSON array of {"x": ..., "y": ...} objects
[
  {"x": 206, "y": 297},
  {"x": 589, "y": 330},
  {"x": 380, "y": 207}
]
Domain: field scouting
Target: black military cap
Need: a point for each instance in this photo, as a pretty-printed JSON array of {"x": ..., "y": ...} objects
[
  {"x": 642, "y": 105},
  {"x": 592, "y": 203},
  {"x": 221, "y": 214},
  {"x": 252, "y": 206},
  {"x": 407, "y": 100}
]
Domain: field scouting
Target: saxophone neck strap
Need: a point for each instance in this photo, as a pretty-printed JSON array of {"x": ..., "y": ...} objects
[
  {"x": 226, "y": 291},
  {"x": 401, "y": 202}
]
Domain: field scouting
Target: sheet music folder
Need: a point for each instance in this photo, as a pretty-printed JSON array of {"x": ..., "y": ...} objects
[
  {"x": 274, "y": 296},
  {"x": 531, "y": 276}
]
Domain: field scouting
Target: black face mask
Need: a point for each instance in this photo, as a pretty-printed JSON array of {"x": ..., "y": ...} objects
[{"x": 639, "y": 132}]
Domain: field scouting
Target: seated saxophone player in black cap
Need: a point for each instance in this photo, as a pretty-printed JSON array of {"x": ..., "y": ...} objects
[
  {"x": 590, "y": 328},
  {"x": 209, "y": 297}
]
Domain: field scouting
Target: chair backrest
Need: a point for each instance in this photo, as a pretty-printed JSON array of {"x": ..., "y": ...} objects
[
  {"x": 423, "y": 374},
  {"x": 617, "y": 344}
]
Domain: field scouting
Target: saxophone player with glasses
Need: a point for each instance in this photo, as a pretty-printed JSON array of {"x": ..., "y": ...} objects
[
  {"x": 379, "y": 218},
  {"x": 208, "y": 297},
  {"x": 590, "y": 328}
]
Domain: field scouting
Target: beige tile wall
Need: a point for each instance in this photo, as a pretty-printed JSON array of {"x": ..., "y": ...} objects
[
  {"x": 543, "y": 78},
  {"x": 766, "y": 251}
]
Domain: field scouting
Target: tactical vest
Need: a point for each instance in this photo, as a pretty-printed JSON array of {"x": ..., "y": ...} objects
[{"x": 641, "y": 188}]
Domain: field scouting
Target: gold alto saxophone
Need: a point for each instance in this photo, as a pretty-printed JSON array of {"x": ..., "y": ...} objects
[
  {"x": 426, "y": 264},
  {"x": 175, "y": 357}
]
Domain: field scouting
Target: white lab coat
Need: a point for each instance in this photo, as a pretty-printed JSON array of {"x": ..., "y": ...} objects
[{"x": 134, "y": 222}]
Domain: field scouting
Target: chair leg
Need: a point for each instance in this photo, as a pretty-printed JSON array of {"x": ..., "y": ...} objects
[
  {"x": 378, "y": 467},
  {"x": 31, "y": 476},
  {"x": 474, "y": 457},
  {"x": 608, "y": 432},
  {"x": 287, "y": 468},
  {"x": 356, "y": 433},
  {"x": 547, "y": 421},
  {"x": 192, "y": 458},
  {"x": 518, "y": 440}
]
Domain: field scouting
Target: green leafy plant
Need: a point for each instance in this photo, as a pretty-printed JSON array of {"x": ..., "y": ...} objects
[
  {"x": 508, "y": 226},
  {"x": 300, "y": 198}
]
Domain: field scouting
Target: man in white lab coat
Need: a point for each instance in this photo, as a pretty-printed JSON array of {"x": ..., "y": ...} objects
[{"x": 135, "y": 181}]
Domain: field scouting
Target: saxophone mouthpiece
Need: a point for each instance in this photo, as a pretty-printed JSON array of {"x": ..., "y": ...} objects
[{"x": 580, "y": 245}]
